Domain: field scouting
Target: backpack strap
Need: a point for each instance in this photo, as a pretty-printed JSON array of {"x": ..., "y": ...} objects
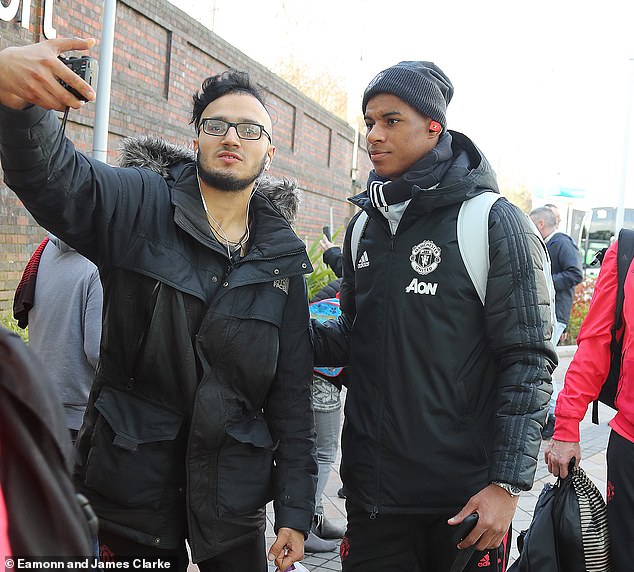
[
  {"x": 473, "y": 238},
  {"x": 473, "y": 242},
  {"x": 623, "y": 262},
  {"x": 626, "y": 253},
  {"x": 357, "y": 233}
]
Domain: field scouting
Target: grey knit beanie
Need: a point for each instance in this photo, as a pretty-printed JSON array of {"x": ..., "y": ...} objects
[{"x": 421, "y": 84}]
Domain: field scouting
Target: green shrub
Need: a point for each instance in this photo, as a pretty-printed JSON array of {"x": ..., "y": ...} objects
[
  {"x": 322, "y": 274},
  {"x": 580, "y": 306},
  {"x": 8, "y": 322}
]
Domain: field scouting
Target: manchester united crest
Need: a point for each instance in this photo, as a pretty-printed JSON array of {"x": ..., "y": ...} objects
[{"x": 425, "y": 257}]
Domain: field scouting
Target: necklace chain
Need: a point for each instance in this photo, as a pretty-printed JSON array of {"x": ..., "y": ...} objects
[
  {"x": 239, "y": 245},
  {"x": 220, "y": 234}
]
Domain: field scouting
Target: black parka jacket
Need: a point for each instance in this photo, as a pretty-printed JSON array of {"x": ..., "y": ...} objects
[
  {"x": 444, "y": 395},
  {"x": 200, "y": 412}
]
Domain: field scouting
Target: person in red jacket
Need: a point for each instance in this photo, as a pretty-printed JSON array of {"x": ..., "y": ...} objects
[{"x": 583, "y": 382}]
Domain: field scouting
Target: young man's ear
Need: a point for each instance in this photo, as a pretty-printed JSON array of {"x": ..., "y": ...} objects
[{"x": 269, "y": 157}]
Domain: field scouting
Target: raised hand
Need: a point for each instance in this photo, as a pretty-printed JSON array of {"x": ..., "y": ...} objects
[{"x": 30, "y": 75}]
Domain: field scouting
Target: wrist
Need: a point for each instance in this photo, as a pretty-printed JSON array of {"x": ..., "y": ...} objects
[
  {"x": 566, "y": 429},
  {"x": 511, "y": 490},
  {"x": 13, "y": 102}
]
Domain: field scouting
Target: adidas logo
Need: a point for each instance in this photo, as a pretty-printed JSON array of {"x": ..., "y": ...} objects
[
  {"x": 485, "y": 561},
  {"x": 364, "y": 261}
]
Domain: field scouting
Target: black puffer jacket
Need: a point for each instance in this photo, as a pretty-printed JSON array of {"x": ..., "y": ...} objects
[
  {"x": 445, "y": 395},
  {"x": 201, "y": 411}
]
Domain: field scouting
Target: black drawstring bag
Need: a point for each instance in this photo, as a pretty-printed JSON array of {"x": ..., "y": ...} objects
[{"x": 569, "y": 530}]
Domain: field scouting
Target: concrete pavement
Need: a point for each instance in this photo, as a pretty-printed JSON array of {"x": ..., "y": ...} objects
[{"x": 594, "y": 439}]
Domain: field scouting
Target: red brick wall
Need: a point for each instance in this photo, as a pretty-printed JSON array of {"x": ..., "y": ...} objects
[{"x": 161, "y": 56}]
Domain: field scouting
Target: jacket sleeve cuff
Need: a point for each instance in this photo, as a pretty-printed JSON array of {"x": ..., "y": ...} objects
[
  {"x": 566, "y": 429},
  {"x": 294, "y": 518},
  {"x": 331, "y": 255},
  {"x": 21, "y": 117}
]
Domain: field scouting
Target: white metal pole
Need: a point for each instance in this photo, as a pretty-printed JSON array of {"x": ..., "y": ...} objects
[
  {"x": 102, "y": 112},
  {"x": 620, "y": 204}
]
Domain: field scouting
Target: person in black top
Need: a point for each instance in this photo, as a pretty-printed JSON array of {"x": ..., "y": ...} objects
[
  {"x": 446, "y": 396},
  {"x": 200, "y": 412}
]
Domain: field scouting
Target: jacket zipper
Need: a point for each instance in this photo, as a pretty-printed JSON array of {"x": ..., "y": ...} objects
[
  {"x": 375, "y": 508},
  {"x": 225, "y": 277},
  {"x": 231, "y": 266},
  {"x": 291, "y": 253}
]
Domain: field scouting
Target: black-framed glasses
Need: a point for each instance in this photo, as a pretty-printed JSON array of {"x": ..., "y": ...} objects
[{"x": 219, "y": 127}]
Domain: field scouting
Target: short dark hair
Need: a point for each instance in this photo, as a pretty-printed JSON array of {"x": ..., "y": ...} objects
[{"x": 230, "y": 81}]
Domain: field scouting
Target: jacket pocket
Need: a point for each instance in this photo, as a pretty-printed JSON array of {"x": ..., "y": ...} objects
[
  {"x": 245, "y": 464},
  {"x": 132, "y": 455}
]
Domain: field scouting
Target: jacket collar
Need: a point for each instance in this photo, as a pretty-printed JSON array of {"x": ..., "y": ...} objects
[
  {"x": 271, "y": 235},
  {"x": 468, "y": 175}
]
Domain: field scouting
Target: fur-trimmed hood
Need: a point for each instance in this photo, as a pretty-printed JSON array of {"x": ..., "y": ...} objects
[{"x": 158, "y": 155}]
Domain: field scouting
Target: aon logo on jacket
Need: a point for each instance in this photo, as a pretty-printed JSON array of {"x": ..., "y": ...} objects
[{"x": 421, "y": 287}]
